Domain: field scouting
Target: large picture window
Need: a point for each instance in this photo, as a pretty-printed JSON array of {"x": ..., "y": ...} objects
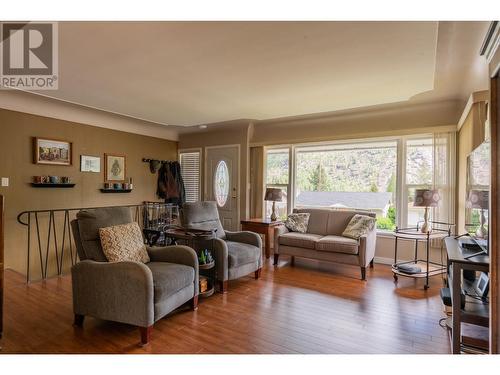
[
  {"x": 376, "y": 175},
  {"x": 359, "y": 176}
]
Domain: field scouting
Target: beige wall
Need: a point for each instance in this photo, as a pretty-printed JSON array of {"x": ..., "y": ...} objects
[
  {"x": 16, "y": 163},
  {"x": 28, "y": 102},
  {"x": 229, "y": 134},
  {"x": 381, "y": 121}
]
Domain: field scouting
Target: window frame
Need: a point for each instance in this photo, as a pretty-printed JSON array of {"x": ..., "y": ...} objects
[
  {"x": 287, "y": 186},
  {"x": 405, "y": 187},
  {"x": 200, "y": 155},
  {"x": 402, "y": 188}
]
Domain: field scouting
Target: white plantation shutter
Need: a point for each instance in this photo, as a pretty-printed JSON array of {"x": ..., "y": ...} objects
[{"x": 190, "y": 170}]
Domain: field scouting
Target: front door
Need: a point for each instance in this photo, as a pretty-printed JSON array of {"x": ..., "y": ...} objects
[{"x": 221, "y": 183}]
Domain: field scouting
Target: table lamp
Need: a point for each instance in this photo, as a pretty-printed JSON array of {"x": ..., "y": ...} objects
[
  {"x": 426, "y": 198},
  {"x": 479, "y": 199},
  {"x": 274, "y": 195}
]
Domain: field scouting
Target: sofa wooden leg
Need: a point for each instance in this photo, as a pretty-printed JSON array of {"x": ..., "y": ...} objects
[
  {"x": 222, "y": 286},
  {"x": 145, "y": 334},
  {"x": 194, "y": 303},
  {"x": 78, "y": 322},
  {"x": 276, "y": 259},
  {"x": 371, "y": 264},
  {"x": 292, "y": 261},
  {"x": 363, "y": 273},
  {"x": 257, "y": 273}
]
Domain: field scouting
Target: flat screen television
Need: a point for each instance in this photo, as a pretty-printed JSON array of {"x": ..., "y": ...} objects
[{"x": 477, "y": 195}]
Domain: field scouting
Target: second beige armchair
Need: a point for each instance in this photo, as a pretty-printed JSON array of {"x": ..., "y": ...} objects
[{"x": 237, "y": 254}]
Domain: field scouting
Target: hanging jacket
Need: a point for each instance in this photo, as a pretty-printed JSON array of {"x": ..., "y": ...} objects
[{"x": 170, "y": 185}]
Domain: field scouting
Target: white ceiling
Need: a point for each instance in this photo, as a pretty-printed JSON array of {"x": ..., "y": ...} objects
[{"x": 190, "y": 73}]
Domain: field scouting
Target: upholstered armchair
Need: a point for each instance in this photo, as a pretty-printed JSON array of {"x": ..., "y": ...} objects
[
  {"x": 128, "y": 292},
  {"x": 236, "y": 254}
]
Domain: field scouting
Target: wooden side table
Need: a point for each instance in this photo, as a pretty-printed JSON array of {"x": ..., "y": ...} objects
[{"x": 262, "y": 226}]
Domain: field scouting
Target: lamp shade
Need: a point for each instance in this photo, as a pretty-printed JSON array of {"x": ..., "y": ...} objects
[
  {"x": 426, "y": 198},
  {"x": 274, "y": 195},
  {"x": 478, "y": 199}
]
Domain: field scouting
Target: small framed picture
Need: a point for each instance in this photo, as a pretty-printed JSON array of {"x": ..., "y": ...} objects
[
  {"x": 114, "y": 168},
  {"x": 52, "y": 151},
  {"x": 90, "y": 163}
]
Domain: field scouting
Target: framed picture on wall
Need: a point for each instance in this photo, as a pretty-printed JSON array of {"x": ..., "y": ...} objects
[
  {"x": 52, "y": 151},
  {"x": 90, "y": 163},
  {"x": 114, "y": 168}
]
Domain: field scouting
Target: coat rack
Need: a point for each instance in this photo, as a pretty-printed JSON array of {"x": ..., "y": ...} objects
[
  {"x": 155, "y": 164},
  {"x": 145, "y": 160}
]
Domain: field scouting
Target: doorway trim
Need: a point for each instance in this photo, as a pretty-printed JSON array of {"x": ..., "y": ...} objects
[{"x": 238, "y": 182}]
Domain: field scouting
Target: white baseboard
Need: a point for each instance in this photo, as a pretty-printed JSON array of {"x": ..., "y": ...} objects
[
  {"x": 389, "y": 261},
  {"x": 382, "y": 260}
]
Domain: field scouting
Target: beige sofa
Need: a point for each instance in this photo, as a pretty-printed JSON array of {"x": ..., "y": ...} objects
[{"x": 324, "y": 241}]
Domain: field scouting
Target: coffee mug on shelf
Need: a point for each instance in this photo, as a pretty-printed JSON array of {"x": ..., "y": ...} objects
[
  {"x": 37, "y": 179},
  {"x": 54, "y": 179},
  {"x": 117, "y": 186},
  {"x": 108, "y": 186},
  {"x": 65, "y": 180}
]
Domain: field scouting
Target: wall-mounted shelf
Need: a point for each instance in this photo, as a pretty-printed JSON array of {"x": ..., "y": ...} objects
[
  {"x": 116, "y": 190},
  {"x": 49, "y": 185}
]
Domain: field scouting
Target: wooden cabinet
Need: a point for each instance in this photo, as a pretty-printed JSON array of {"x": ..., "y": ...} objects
[{"x": 475, "y": 311}]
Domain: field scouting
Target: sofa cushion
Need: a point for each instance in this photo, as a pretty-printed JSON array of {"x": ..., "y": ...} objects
[
  {"x": 123, "y": 243},
  {"x": 297, "y": 222},
  {"x": 358, "y": 226},
  {"x": 240, "y": 253},
  {"x": 295, "y": 239},
  {"x": 169, "y": 278},
  {"x": 339, "y": 219},
  {"x": 337, "y": 244},
  {"x": 318, "y": 219}
]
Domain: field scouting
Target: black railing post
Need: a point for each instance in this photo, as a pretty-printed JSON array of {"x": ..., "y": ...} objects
[
  {"x": 29, "y": 249},
  {"x": 66, "y": 231}
]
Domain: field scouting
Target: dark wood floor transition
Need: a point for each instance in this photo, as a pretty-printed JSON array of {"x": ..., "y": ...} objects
[{"x": 308, "y": 308}]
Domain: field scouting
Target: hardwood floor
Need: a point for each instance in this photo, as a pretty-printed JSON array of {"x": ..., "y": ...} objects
[{"x": 308, "y": 308}]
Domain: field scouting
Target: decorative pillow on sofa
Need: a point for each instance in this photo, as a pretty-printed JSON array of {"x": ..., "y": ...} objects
[
  {"x": 358, "y": 226},
  {"x": 297, "y": 222},
  {"x": 123, "y": 243}
]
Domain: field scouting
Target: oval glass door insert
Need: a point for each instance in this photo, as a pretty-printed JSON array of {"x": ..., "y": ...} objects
[{"x": 221, "y": 183}]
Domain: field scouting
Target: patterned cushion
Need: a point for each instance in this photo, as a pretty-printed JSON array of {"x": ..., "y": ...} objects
[
  {"x": 123, "y": 243},
  {"x": 358, "y": 226},
  {"x": 297, "y": 222}
]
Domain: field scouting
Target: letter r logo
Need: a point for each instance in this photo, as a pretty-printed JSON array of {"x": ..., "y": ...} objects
[{"x": 27, "y": 49}]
